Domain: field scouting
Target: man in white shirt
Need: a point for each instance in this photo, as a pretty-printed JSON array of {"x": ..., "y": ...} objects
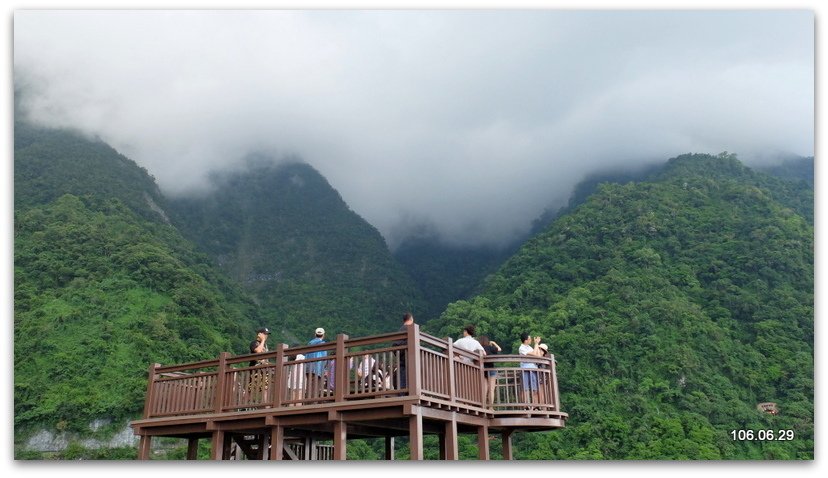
[{"x": 468, "y": 342}]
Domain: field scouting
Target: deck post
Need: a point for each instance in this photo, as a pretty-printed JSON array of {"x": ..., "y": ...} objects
[
  {"x": 192, "y": 448},
  {"x": 341, "y": 370},
  {"x": 413, "y": 361},
  {"x": 415, "y": 435},
  {"x": 279, "y": 377},
  {"x": 507, "y": 444},
  {"x": 555, "y": 397},
  {"x": 221, "y": 379},
  {"x": 441, "y": 444},
  {"x": 218, "y": 445},
  {"x": 309, "y": 445},
  {"x": 150, "y": 390},
  {"x": 144, "y": 447},
  {"x": 264, "y": 444},
  {"x": 451, "y": 452},
  {"x": 389, "y": 448},
  {"x": 484, "y": 385},
  {"x": 340, "y": 439},
  {"x": 277, "y": 441},
  {"x": 450, "y": 374},
  {"x": 483, "y": 442}
]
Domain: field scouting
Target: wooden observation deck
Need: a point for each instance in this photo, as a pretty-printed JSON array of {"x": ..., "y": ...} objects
[{"x": 400, "y": 384}]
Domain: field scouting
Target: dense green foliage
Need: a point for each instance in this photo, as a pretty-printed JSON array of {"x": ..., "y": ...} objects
[
  {"x": 49, "y": 163},
  {"x": 586, "y": 187},
  {"x": 100, "y": 295},
  {"x": 288, "y": 237},
  {"x": 103, "y": 287},
  {"x": 794, "y": 169},
  {"x": 446, "y": 273},
  {"x": 673, "y": 306}
]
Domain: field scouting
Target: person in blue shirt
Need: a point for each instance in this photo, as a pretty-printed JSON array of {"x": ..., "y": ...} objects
[{"x": 315, "y": 371}]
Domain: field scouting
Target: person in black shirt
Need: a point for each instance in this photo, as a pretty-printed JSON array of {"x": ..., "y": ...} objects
[
  {"x": 260, "y": 344},
  {"x": 491, "y": 348}
]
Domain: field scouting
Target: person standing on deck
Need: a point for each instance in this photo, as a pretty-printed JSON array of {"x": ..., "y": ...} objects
[
  {"x": 259, "y": 379},
  {"x": 467, "y": 342},
  {"x": 259, "y": 345},
  {"x": 530, "y": 377},
  {"x": 491, "y": 348},
  {"x": 315, "y": 371}
]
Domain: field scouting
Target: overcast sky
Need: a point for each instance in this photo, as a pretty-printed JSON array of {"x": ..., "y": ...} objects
[{"x": 471, "y": 121}]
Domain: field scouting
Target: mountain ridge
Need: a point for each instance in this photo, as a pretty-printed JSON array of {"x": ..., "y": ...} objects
[{"x": 673, "y": 306}]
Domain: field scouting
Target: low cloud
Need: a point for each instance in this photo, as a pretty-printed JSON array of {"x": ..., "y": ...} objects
[{"x": 470, "y": 122}]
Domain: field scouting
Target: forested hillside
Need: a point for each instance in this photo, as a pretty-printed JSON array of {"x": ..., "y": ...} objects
[
  {"x": 103, "y": 285},
  {"x": 446, "y": 273},
  {"x": 287, "y": 236},
  {"x": 49, "y": 163},
  {"x": 674, "y": 306}
]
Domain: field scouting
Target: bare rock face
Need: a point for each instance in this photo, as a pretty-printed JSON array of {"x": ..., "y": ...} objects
[
  {"x": 54, "y": 441},
  {"x": 44, "y": 440}
]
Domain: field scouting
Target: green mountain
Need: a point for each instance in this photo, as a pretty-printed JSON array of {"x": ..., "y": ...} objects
[
  {"x": 49, "y": 163},
  {"x": 287, "y": 236},
  {"x": 446, "y": 273},
  {"x": 103, "y": 285},
  {"x": 794, "y": 169},
  {"x": 674, "y": 306}
]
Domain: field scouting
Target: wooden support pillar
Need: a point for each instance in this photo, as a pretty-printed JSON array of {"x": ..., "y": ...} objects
[
  {"x": 309, "y": 446},
  {"x": 217, "y": 446},
  {"x": 483, "y": 442},
  {"x": 144, "y": 447},
  {"x": 264, "y": 444},
  {"x": 192, "y": 449},
  {"x": 450, "y": 442},
  {"x": 340, "y": 436},
  {"x": 389, "y": 448},
  {"x": 277, "y": 442},
  {"x": 415, "y": 435},
  {"x": 441, "y": 444},
  {"x": 507, "y": 444}
]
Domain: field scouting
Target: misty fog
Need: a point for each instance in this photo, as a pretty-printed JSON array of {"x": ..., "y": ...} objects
[{"x": 469, "y": 122}]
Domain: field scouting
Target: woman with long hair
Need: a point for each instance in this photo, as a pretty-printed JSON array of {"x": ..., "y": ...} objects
[{"x": 491, "y": 348}]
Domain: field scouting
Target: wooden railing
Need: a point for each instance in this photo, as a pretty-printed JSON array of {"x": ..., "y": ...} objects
[{"x": 402, "y": 364}]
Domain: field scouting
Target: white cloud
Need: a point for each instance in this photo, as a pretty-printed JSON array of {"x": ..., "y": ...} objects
[{"x": 472, "y": 120}]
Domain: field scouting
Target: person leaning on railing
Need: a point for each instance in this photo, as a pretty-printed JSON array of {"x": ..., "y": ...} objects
[{"x": 468, "y": 343}]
